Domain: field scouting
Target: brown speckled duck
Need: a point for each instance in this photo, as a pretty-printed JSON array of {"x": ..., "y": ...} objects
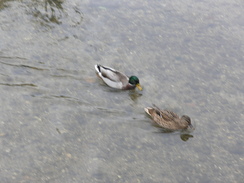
[
  {"x": 168, "y": 119},
  {"x": 116, "y": 79}
]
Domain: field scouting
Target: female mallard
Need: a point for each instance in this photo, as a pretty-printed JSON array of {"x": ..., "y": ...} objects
[
  {"x": 116, "y": 79},
  {"x": 169, "y": 120}
]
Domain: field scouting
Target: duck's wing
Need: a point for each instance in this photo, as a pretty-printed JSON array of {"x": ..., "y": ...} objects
[
  {"x": 161, "y": 115},
  {"x": 111, "y": 77},
  {"x": 172, "y": 114},
  {"x": 164, "y": 114},
  {"x": 110, "y": 73},
  {"x": 169, "y": 115}
]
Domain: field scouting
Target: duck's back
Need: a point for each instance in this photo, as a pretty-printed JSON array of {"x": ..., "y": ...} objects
[
  {"x": 111, "y": 77},
  {"x": 166, "y": 119}
]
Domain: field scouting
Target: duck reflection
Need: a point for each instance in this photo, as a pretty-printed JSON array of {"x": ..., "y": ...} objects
[
  {"x": 184, "y": 134},
  {"x": 134, "y": 95},
  {"x": 185, "y": 137}
]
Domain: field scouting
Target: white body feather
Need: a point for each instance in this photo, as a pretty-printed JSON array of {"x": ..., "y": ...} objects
[{"x": 111, "y": 77}]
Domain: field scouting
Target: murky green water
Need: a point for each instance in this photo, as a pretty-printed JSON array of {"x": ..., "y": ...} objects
[{"x": 60, "y": 123}]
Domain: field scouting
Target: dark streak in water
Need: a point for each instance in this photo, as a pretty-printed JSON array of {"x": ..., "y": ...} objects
[
  {"x": 13, "y": 57},
  {"x": 31, "y": 67},
  {"x": 62, "y": 96},
  {"x": 65, "y": 76},
  {"x": 22, "y": 65},
  {"x": 58, "y": 130},
  {"x": 24, "y": 84},
  {"x": 67, "y": 98}
]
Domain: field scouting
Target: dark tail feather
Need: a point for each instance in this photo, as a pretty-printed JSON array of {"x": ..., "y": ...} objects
[{"x": 97, "y": 67}]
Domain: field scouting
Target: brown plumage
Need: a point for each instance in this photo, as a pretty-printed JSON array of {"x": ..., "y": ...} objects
[{"x": 168, "y": 119}]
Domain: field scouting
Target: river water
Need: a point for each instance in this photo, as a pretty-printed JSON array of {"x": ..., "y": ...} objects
[{"x": 60, "y": 123}]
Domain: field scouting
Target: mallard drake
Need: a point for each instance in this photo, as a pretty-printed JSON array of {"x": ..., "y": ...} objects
[
  {"x": 116, "y": 79},
  {"x": 168, "y": 119}
]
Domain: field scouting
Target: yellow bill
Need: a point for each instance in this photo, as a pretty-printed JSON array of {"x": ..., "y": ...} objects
[{"x": 139, "y": 86}]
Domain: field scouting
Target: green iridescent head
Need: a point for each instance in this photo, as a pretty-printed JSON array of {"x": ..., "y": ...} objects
[{"x": 133, "y": 80}]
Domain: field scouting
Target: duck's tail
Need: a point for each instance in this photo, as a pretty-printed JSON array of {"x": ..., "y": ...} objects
[
  {"x": 148, "y": 110},
  {"x": 97, "y": 68}
]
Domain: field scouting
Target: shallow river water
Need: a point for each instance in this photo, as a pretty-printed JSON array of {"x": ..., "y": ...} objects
[{"x": 60, "y": 123}]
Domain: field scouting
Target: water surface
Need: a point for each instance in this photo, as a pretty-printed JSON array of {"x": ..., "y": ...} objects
[{"x": 60, "y": 123}]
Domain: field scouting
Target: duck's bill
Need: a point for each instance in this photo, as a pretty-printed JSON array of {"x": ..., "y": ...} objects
[
  {"x": 139, "y": 86},
  {"x": 191, "y": 127}
]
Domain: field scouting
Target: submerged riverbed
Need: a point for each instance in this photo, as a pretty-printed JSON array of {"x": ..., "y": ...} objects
[{"x": 60, "y": 123}]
